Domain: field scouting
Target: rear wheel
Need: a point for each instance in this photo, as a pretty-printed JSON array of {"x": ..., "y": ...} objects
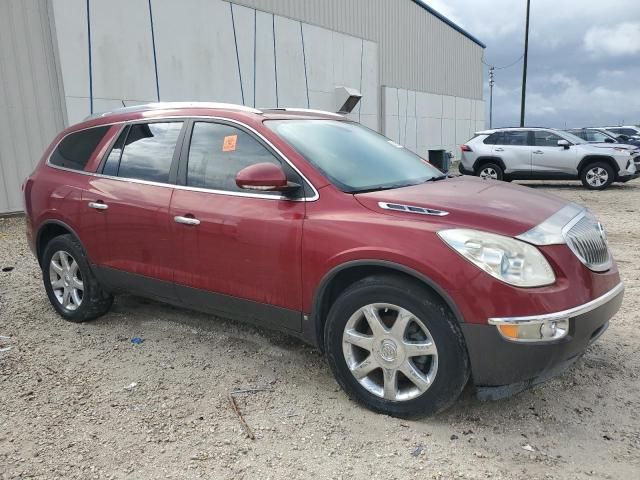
[
  {"x": 490, "y": 171},
  {"x": 394, "y": 347},
  {"x": 71, "y": 286},
  {"x": 597, "y": 176}
]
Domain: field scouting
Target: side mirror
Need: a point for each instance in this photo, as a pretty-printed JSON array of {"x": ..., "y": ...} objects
[
  {"x": 265, "y": 177},
  {"x": 564, "y": 143},
  {"x": 624, "y": 138},
  {"x": 609, "y": 140}
]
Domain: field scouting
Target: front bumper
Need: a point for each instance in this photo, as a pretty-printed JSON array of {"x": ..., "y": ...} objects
[{"x": 501, "y": 367}]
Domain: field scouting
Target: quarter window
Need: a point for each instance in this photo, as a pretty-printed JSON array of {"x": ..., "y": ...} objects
[
  {"x": 546, "y": 139},
  {"x": 75, "y": 150},
  {"x": 218, "y": 152},
  {"x": 493, "y": 139},
  {"x": 144, "y": 152}
]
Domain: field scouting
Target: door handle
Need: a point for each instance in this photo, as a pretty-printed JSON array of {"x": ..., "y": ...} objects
[
  {"x": 186, "y": 220},
  {"x": 499, "y": 149},
  {"x": 538, "y": 152},
  {"x": 98, "y": 205}
]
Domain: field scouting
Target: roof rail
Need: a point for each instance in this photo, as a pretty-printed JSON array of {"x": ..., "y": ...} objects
[
  {"x": 171, "y": 105},
  {"x": 304, "y": 110}
]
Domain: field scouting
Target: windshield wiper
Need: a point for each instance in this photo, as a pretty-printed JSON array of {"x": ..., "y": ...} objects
[{"x": 435, "y": 179}]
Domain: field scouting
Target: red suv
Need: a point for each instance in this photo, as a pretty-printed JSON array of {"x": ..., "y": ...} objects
[{"x": 410, "y": 281}]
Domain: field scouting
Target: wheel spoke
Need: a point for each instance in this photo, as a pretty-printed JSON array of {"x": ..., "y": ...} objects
[
  {"x": 418, "y": 349},
  {"x": 66, "y": 298},
  {"x": 59, "y": 283},
  {"x": 364, "y": 368},
  {"x": 75, "y": 295},
  {"x": 56, "y": 267},
  {"x": 390, "y": 383},
  {"x": 64, "y": 261},
  {"x": 401, "y": 323},
  {"x": 415, "y": 376},
  {"x": 374, "y": 320},
  {"x": 77, "y": 284},
  {"x": 358, "y": 339},
  {"x": 73, "y": 268}
]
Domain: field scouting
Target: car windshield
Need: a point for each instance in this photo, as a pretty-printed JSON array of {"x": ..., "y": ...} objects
[
  {"x": 354, "y": 158},
  {"x": 572, "y": 138}
]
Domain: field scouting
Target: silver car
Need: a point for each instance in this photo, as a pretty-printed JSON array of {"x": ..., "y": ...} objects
[{"x": 547, "y": 154}]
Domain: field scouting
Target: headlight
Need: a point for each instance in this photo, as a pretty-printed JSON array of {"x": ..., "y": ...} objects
[{"x": 505, "y": 258}]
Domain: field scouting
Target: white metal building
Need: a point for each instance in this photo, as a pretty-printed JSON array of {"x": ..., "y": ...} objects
[{"x": 419, "y": 74}]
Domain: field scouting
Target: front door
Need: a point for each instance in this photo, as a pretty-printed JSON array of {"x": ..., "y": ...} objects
[
  {"x": 132, "y": 199},
  {"x": 240, "y": 250},
  {"x": 548, "y": 159}
]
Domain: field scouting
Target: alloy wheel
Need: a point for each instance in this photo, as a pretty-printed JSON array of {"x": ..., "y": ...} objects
[
  {"x": 66, "y": 280},
  {"x": 597, "y": 176},
  {"x": 488, "y": 172},
  {"x": 390, "y": 352}
]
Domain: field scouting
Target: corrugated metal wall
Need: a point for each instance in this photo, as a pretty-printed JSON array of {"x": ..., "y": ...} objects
[
  {"x": 30, "y": 97},
  {"x": 418, "y": 51}
]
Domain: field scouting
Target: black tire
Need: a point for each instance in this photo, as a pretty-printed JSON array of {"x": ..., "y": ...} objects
[
  {"x": 592, "y": 176},
  {"x": 485, "y": 171},
  {"x": 453, "y": 368},
  {"x": 94, "y": 301}
]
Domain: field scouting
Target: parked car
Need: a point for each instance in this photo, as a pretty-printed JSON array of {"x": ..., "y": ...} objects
[
  {"x": 412, "y": 282},
  {"x": 627, "y": 130},
  {"x": 546, "y": 154},
  {"x": 600, "y": 135}
]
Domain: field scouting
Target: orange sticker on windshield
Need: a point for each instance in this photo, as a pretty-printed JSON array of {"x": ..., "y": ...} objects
[{"x": 229, "y": 144}]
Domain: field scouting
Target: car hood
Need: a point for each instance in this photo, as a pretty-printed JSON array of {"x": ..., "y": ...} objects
[
  {"x": 470, "y": 202},
  {"x": 599, "y": 147}
]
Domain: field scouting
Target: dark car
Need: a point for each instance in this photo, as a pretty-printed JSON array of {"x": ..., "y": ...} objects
[
  {"x": 410, "y": 281},
  {"x": 600, "y": 135}
]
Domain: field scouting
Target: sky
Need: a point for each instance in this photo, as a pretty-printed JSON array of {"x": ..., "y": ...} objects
[{"x": 584, "y": 58}]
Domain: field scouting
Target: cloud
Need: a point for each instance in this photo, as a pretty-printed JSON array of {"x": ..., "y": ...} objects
[{"x": 616, "y": 40}]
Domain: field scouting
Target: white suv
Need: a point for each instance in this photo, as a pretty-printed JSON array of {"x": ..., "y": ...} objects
[{"x": 547, "y": 154}]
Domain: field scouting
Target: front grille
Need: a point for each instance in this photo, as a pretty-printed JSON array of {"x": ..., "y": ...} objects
[{"x": 587, "y": 240}]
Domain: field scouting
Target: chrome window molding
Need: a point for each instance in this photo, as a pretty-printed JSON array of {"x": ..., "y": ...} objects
[
  {"x": 263, "y": 196},
  {"x": 564, "y": 314},
  {"x": 550, "y": 231},
  {"x": 399, "y": 207}
]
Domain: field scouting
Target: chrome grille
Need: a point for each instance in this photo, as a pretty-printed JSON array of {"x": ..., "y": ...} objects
[{"x": 585, "y": 236}]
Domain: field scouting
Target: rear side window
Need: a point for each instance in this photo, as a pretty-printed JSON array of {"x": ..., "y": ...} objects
[
  {"x": 75, "y": 150},
  {"x": 218, "y": 152},
  {"x": 144, "y": 151},
  {"x": 517, "y": 137},
  {"x": 493, "y": 139}
]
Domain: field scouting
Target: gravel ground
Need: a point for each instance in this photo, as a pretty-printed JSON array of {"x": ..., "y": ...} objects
[{"x": 82, "y": 401}]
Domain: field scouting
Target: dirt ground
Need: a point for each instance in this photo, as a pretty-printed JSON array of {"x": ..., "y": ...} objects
[{"x": 83, "y": 401}]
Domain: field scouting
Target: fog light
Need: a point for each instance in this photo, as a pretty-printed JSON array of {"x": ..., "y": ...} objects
[{"x": 534, "y": 330}]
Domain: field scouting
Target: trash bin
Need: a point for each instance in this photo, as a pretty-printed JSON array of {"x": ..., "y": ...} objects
[{"x": 441, "y": 159}]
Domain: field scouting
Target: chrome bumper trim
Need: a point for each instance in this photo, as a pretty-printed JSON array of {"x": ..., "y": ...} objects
[{"x": 565, "y": 314}]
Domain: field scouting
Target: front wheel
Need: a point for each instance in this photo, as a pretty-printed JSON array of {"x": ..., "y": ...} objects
[
  {"x": 597, "y": 176},
  {"x": 396, "y": 348}
]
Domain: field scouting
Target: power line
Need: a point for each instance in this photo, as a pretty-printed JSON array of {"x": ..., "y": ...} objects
[{"x": 503, "y": 67}]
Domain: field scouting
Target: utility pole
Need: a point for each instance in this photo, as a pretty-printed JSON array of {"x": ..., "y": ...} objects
[
  {"x": 524, "y": 67},
  {"x": 491, "y": 83}
]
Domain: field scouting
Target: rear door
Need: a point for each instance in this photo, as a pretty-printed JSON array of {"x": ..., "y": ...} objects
[
  {"x": 514, "y": 149},
  {"x": 548, "y": 159},
  {"x": 240, "y": 250},
  {"x": 130, "y": 201}
]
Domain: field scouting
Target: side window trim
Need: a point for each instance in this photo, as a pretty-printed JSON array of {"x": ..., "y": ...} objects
[
  {"x": 173, "y": 171},
  {"x": 184, "y": 161}
]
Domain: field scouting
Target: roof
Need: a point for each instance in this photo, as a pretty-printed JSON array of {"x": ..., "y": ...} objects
[
  {"x": 453, "y": 25},
  {"x": 160, "y": 106}
]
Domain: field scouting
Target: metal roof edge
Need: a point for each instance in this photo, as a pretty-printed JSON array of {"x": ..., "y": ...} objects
[{"x": 453, "y": 25}]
